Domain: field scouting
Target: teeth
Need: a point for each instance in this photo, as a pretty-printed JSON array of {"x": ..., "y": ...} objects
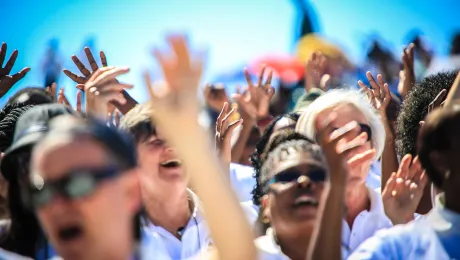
[
  {"x": 174, "y": 161},
  {"x": 306, "y": 199}
]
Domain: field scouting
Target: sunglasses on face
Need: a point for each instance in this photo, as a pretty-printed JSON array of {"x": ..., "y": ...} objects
[
  {"x": 77, "y": 184},
  {"x": 287, "y": 179}
]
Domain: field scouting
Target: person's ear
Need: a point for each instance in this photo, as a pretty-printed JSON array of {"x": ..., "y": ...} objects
[
  {"x": 265, "y": 201},
  {"x": 132, "y": 190}
]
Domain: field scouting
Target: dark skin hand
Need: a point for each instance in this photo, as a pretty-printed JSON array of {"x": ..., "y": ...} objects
[
  {"x": 6, "y": 80},
  {"x": 81, "y": 80}
]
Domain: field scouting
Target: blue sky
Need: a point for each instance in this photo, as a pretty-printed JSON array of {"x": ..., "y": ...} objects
[{"x": 233, "y": 31}]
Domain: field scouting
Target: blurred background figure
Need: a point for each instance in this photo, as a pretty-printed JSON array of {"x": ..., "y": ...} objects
[
  {"x": 451, "y": 62},
  {"x": 52, "y": 63}
]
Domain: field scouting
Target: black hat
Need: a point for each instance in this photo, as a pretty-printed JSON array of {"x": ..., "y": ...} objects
[{"x": 30, "y": 128}]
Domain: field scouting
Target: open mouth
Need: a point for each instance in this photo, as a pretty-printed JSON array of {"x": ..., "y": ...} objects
[
  {"x": 304, "y": 200},
  {"x": 171, "y": 163},
  {"x": 70, "y": 233}
]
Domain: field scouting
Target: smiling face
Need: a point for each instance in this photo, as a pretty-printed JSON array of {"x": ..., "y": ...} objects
[
  {"x": 161, "y": 168},
  {"x": 296, "y": 183},
  {"x": 79, "y": 228}
]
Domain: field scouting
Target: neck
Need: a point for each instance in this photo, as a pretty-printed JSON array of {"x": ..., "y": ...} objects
[
  {"x": 296, "y": 247},
  {"x": 357, "y": 199},
  {"x": 171, "y": 212}
]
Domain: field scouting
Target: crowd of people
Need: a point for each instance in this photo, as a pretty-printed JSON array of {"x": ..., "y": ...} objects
[{"x": 348, "y": 173}]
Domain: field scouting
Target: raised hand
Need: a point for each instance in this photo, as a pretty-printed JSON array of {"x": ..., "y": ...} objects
[
  {"x": 176, "y": 99},
  {"x": 255, "y": 99},
  {"x": 224, "y": 130},
  {"x": 407, "y": 75},
  {"x": 215, "y": 96},
  {"x": 379, "y": 93},
  {"x": 6, "y": 80},
  {"x": 315, "y": 70},
  {"x": 336, "y": 147},
  {"x": 102, "y": 87},
  {"x": 438, "y": 101},
  {"x": 62, "y": 99},
  {"x": 355, "y": 138},
  {"x": 404, "y": 190},
  {"x": 81, "y": 80}
]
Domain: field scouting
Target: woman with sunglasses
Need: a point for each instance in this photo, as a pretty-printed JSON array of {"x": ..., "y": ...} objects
[
  {"x": 297, "y": 178},
  {"x": 365, "y": 211}
]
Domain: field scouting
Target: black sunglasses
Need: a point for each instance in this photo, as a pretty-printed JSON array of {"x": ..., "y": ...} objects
[
  {"x": 77, "y": 184},
  {"x": 291, "y": 176},
  {"x": 367, "y": 129}
]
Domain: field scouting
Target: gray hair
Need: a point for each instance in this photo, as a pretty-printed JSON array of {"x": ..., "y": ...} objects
[{"x": 333, "y": 98}]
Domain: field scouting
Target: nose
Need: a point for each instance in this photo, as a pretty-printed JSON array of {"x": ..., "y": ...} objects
[{"x": 303, "y": 181}]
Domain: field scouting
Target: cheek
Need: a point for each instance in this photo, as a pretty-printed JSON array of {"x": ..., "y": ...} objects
[{"x": 149, "y": 158}]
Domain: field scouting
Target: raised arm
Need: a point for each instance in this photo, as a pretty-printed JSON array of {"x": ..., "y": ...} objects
[{"x": 176, "y": 114}]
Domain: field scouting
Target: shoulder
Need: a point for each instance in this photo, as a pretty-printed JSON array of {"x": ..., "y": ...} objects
[{"x": 398, "y": 242}]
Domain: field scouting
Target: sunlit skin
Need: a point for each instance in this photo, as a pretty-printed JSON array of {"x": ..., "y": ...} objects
[
  {"x": 164, "y": 189},
  {"x": 357, "y": 197},
  {"x": 294, "y": 224},
  {"x": 109, "y": 210}
]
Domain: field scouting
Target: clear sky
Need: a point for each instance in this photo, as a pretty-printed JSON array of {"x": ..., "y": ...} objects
[{"x": 233, "y": 31}]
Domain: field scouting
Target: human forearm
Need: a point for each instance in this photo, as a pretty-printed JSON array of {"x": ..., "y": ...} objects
[
  {"x": 232, "y": 241},
  {"x": 325, "y": 242},
  {"x": 237, "y": 149},
  {"x": 128, "y": 105}
]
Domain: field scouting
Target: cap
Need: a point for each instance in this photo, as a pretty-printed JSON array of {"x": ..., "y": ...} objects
[
  {"x": 30, "y": 128},
  {"x": 118, "y": 143}
]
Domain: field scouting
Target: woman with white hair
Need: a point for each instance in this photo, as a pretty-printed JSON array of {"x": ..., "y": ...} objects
[{"x": 365, "y": 212}]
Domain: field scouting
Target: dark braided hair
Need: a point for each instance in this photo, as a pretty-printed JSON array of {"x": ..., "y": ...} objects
[
  {"x": 282, "y": 141},
  {"x": 256, "y": 159},
  {"x": 9, "y": 116}
]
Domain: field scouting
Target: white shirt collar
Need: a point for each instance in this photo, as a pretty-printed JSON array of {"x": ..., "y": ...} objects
[
  {"x": 195, "y": 240},
  {"x": 366, "y": 222},
  {"x": 268, "y": 248},
  {"x": 441, "y": 218}
]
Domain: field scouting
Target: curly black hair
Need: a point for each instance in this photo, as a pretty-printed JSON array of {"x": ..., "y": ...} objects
[
  {"x": 438, "y": 134},
  {"x": 256, "y": 159},
  {"x": 415, "y": 108}
]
